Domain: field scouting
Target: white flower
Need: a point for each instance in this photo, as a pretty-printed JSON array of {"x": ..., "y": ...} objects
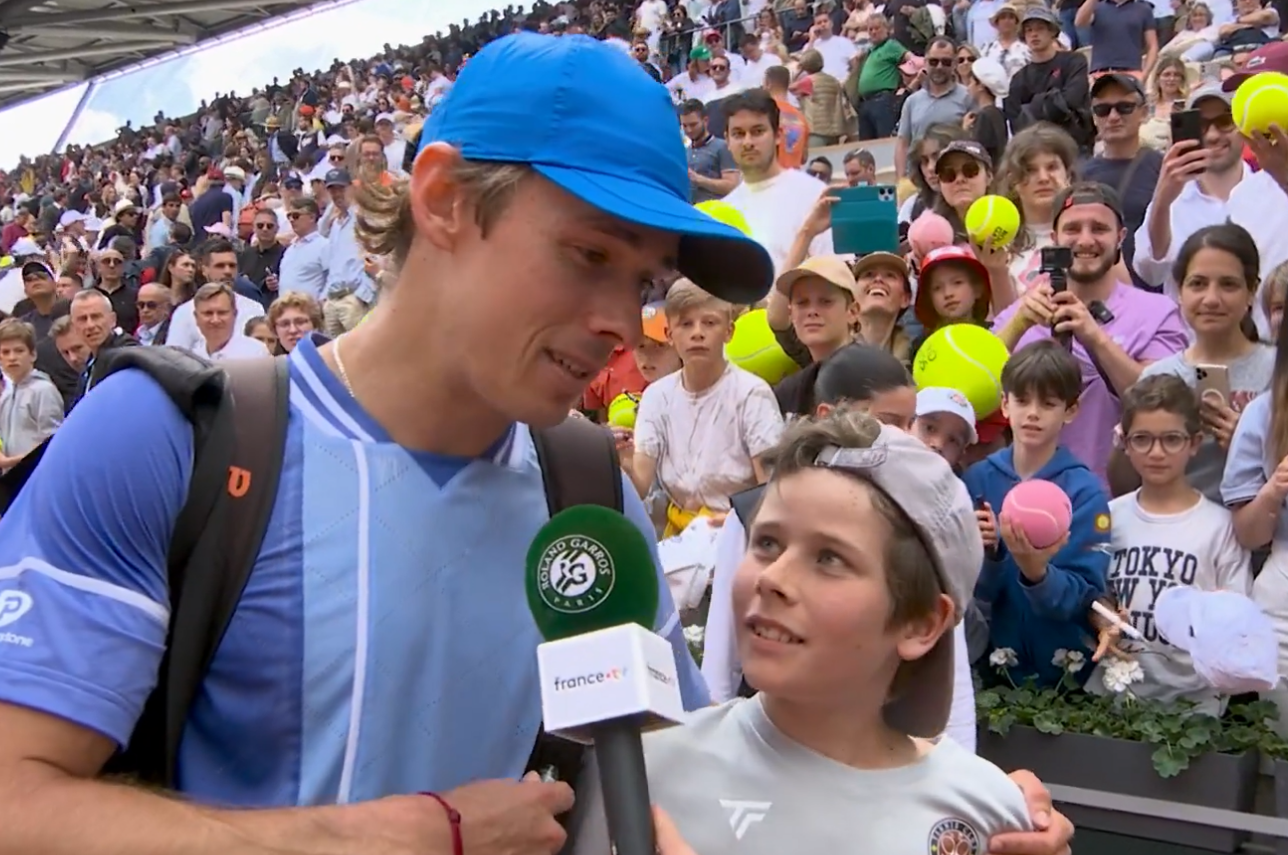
[
  {"x": 1121, "y": 673},
  {"x": 1003, "y": 657},
  {"x": 694, "y": 635},
  {"x": 1061, "y": 656},
  {"x": 1074, "y": 661}
]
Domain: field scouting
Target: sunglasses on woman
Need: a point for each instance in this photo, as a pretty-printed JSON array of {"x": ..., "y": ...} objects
[{"x": 968, "y": 170}]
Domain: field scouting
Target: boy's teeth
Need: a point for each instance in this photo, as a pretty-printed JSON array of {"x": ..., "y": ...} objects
[{"x": 773, "y": 634}]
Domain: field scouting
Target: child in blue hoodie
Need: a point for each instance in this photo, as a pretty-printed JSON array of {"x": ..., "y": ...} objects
[{"x": 1038, "y": 600}]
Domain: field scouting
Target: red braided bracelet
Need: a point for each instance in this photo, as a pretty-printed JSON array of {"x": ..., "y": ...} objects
[{"x": 454, "y": 820}]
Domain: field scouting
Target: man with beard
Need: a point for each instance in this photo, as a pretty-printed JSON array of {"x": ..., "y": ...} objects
[
  {"x": 1113, "y": 329},
  {"x": 775, "y": 201},
  {"x": 940, "y": 101},
  {"x": 1203, "y": 185}
]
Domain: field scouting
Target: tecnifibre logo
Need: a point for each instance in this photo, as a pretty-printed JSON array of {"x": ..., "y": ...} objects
[{"x": 564, "y": 684}]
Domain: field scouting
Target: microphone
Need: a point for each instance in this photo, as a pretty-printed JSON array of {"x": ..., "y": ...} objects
[{"x": 605, "y": 676}]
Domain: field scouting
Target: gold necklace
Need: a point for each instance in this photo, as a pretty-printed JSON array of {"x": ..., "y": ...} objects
[{"x": 339, "y": 363}]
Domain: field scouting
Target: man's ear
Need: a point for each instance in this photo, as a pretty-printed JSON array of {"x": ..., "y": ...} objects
[{"x": 437, "y": 204}]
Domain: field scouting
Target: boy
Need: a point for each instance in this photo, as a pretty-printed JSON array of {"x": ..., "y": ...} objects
[
  {"x": 1038, "y": 600},
  {"x": 862, "y": 555},
  {"x": 701, "y": 431},
  {"x": 31, "y": 408},
  {"x": 1167, "y": 534}
]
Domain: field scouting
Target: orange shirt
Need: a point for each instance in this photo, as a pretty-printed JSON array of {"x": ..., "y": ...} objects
[
  {"x": 620, "y": 375},
  {"x": 793, "y": 145}
]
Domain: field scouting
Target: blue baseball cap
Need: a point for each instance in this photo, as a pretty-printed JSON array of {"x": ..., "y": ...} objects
[{"x": 586, "y": 117}]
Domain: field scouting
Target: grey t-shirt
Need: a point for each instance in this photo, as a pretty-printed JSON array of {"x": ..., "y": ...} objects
[
  {"x": 1249, "y": 377},
  {"x": 734, "y": 783}
]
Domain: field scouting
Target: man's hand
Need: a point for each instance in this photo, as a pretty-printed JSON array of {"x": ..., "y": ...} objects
[
  {"x": 509, "y": 818},
  {"x": 1031, "y": 560},
  {"x": 1053, "y": 830},
  {"x": 1183, "y": 162},
  {"x": 1072, "y": 316},
  {"x": 1271, "y": 150},
  {"x": 1037, "y": 306}
]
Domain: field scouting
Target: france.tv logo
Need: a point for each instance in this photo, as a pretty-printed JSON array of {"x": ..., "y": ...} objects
[{"x": 564, "y": 684}]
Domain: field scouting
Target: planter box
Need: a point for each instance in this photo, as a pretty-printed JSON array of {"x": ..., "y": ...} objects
[
  {"x": 1119, "y": 766},
  {"x": 1281, "y": 801}
]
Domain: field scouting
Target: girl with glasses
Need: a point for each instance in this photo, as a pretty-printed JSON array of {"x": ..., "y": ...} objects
[{"x": 966, "y": 56}]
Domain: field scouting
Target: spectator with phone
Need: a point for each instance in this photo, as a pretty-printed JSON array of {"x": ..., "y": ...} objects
[
  {"x": 1115, "y": 329},
  {"x": 1225, "y": 365},
  {"x": 1196, "y": 188}
]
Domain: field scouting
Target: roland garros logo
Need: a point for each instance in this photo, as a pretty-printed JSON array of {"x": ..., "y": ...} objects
[{"x": 575, "y": 574}]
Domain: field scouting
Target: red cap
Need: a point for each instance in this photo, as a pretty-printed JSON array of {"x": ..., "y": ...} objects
[
  {"x": 924, "y": 308},
  {"x": 214, "y": 173},
  {"x": 990, "y": 428},
  {"x": 1270, "y": 57}
]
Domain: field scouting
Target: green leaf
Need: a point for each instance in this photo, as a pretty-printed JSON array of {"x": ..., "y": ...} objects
[
  {"x": 1048, "y": 722},
  {"x": 1169, "y": 762}
]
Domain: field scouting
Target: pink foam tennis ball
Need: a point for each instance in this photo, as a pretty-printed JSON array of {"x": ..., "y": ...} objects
[
  {"x": 1040, "y": 509},
  {"x": 929, "y": 232}
]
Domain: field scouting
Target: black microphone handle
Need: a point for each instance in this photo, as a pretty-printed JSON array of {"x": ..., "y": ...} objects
[{"x": 624, "y": 782}]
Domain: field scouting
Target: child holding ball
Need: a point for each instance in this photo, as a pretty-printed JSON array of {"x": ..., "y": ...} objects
[
  {"x": 1167, "y": 534},
  {"x": 1038, "y": 599},
  {"x": 953, "y": 287}
]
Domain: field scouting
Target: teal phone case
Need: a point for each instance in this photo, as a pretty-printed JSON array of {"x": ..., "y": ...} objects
[{"x": 865, "y": 220}]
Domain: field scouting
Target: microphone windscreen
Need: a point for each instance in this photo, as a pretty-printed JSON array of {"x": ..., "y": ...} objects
[{"x": 590, "y": 568}]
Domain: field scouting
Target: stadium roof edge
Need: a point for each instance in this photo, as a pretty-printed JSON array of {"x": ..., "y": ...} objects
[{"x": 47, "y": 46}]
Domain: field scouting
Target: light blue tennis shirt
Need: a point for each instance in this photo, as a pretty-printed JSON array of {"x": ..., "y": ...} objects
[{"x": 383, "y": 644}]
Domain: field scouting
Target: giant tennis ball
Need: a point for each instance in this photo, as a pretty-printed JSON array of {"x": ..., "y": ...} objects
[
  {"x": 967, "y": 358},
  {"x": 622, "y": 410},
  {"x": 993, "y": 217},
  {"x": 725, "y": 213},
  {"x": 753, "y": 348},
  {"x": 1261, "y": 101},
  {"x": 1040, "y": 509}
]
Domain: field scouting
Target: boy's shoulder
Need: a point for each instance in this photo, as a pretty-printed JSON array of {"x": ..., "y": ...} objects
[
  {"x": 978, "y": 787},
  {"x": 743, "y": 379}
]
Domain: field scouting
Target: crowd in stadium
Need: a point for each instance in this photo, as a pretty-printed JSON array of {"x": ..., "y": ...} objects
[{"x": 1135, "y": 290}]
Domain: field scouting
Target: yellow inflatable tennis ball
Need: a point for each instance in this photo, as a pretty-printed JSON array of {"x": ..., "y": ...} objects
[
  {"x": 1261, "y": 101},
  {"x": 622, "y": 410},
  {"x": 993, "y": 217},
  {"x": 753, "y": 348},
  {"x": 967, "y": 358},
  {"x": 725, "y": 213}
]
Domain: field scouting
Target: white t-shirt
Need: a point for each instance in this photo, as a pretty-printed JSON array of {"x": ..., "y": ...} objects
[
  {"x": 836, "y": 52},
  {"x": 734, "y": 783},
  {"x": 684, "y": 86},
  {"x": 238, "y": 347},
  {"x": 651, "y": 15},
  {"x": 776, "y": 209},
  {"x": 704, "y": 443},
  {"x": 753, "y": 73},
  {"x": 1152, "y": 553}
]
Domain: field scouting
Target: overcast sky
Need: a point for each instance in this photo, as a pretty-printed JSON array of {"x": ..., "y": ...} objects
[{"x": 176, "y": 87}]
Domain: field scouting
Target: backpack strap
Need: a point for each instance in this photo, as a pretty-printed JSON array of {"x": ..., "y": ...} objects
[
  {"x": 579, "y": 466},
  {"x": 239, "y": 429}
]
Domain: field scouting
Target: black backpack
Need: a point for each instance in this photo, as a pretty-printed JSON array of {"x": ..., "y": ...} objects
[{"x": 238, "y": 413}]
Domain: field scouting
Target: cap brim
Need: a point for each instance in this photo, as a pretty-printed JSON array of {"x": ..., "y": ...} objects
[
  {"x": 718, "y": 258},
  {"x": 1232, "y": 82},
  {"x": 922, "y": 709},
  {"x": 1173, "y": 615}
]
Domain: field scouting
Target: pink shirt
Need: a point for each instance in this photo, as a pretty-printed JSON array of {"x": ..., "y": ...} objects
[{"x": 1147, "y": 327}]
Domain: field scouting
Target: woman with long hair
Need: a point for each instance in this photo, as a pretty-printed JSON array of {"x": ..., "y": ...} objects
[
  {"x": 180, "y": 276},
  {"x": 1217, "y": 275},
  {"x": 1168, "y": 86},
  {"x": 966, "y": 56},
  {"x": 1038, "y": 163},
  {"x": 922, "y": 157}
]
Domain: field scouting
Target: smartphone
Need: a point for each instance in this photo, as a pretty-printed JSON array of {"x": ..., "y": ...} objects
[
  {"x": 1055, "y": 262},
  {"x": 865, "y": 220},
  {"x": 1213, "y": 383},
  {"x": 1187, "y": 125}
]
